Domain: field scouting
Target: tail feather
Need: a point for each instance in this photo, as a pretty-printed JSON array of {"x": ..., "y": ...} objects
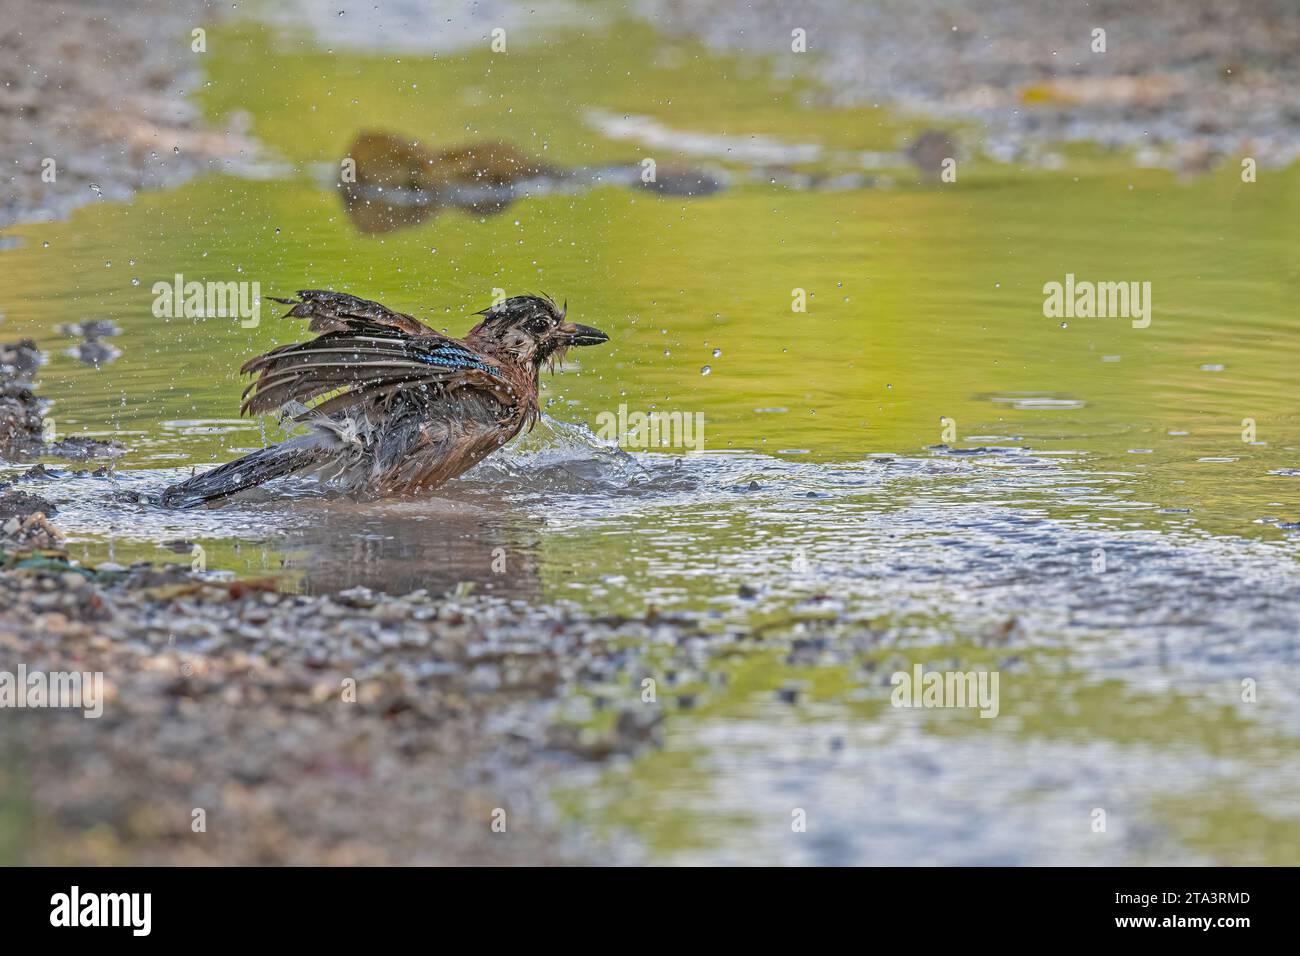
[{"x": 254, "y": 469}]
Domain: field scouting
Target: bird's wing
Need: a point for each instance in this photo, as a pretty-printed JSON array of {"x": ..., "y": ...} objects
[
  {"x": 338, "y": 312},
  {"x": 367, "y": 367}
]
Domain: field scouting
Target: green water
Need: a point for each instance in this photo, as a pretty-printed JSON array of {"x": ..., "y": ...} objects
[{"x": 925, "y": 303}]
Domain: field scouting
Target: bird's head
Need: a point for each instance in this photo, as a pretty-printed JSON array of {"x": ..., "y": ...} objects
[{"x": 532, "y": 330}]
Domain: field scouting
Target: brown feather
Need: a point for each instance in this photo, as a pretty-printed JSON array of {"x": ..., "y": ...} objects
[{"x": 338, "y": 311}]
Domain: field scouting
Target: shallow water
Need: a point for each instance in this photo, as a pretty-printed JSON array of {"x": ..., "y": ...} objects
[{"x": 828, "y": 501}]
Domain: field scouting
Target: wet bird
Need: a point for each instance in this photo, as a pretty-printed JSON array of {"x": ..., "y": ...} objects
[{"x": 399, "y": 408}]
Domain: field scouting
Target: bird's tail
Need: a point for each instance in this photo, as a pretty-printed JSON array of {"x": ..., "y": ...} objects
[{"x": 294, "y": 455}]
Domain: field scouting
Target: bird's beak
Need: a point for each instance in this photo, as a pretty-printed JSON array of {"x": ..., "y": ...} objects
[{"x": 583, "y": 334}]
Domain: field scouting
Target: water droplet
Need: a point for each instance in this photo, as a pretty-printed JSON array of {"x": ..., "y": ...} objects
[
  {"x": 717, "y": 353},
  {"x": 134, "y": 281},
  {"x": 706, "y": 370},
  {"x": 1065, "y": 325}
]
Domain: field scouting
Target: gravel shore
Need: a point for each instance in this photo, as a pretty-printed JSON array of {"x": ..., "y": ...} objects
[
  {"x": 1182, "y": 82},
  {"x": 357, "y": 728}
]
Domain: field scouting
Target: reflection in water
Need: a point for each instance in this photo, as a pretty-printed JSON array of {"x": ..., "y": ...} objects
[
  {"x": 398, "y": 547},
  {"x": 92, "y": 349},
  {"x": 27, "y": 431},
  {"x": 399, "y": 183}
]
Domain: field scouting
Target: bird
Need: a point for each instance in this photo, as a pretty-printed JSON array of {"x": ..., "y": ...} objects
[{"x": 399, "y": 409}]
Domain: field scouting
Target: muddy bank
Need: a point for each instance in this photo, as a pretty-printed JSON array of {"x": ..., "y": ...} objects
[
  {"x": 1183, "y": 82},
  {"x": 95, "y": 104},
  {"x": 359, "y": 728}
]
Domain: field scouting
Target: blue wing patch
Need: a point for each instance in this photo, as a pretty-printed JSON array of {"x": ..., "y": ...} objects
[{"x": 454, "y": 358}]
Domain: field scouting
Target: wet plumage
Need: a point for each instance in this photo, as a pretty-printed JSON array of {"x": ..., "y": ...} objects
[{"x": 399, "y": 408}]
